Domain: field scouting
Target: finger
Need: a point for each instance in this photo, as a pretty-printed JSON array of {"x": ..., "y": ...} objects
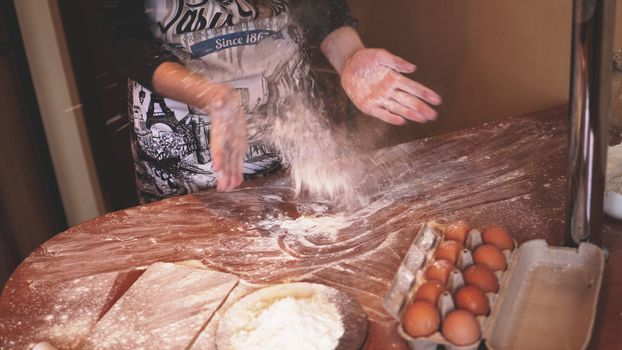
[
  {"x": 228, "y": 174},
  {"x": 414, "y": 88},
  {"x": 414, "y": 104},
  {"x": 405, "y": 112},
  {"x": 237, "y": 180},
  {"x": 216, "y": 157},
  {"x": 223, "y": 183},
  {"x": 229, "y": 185},
  {"x": 397, "y": 63},
  {"x": 387, "y": 116},
  {"x": 236, "y": 166},
  {"x": 233, "y": 173}
]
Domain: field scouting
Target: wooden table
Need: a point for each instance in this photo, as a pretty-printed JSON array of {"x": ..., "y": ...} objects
[{"x": 510, "y": 173}]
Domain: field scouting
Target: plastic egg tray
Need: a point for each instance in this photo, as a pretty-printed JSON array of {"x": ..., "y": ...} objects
[{"x": 547, "y": 296}]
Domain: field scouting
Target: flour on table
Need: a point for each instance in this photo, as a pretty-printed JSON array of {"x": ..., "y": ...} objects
[
  {"x": 326, "y": 226},
  {"x": 164, "y": 309}
]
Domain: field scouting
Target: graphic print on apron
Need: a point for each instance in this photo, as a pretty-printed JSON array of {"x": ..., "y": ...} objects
[{"x": 251, "y": 46}]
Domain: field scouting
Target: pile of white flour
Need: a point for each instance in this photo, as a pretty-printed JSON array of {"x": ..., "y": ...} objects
[{"x": 291, "y": 323}]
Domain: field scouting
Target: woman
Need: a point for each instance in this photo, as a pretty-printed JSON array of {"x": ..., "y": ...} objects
[{"x": 201, "y": 69}]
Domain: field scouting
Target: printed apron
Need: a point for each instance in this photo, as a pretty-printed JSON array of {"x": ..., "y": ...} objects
[{"x": 250, "y": 45}]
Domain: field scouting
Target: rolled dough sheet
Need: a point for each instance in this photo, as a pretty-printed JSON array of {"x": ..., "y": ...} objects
[
  {"x": 166, "y": 308},
  {"x": 65, "y": 312},
  {"x": 207, "y": 338}
]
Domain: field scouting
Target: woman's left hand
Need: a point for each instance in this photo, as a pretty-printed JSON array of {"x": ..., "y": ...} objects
[{"x": 373, "y": 80}]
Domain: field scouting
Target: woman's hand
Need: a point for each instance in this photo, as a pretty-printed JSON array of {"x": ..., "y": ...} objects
[
  {"x": 229, "y": 135},
  {"x": 229, "y": 130},
  {"x": 373, "y": 80}
]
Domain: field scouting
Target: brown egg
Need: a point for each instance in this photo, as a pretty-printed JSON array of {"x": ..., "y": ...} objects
[
  {"x": 490, "y": 256},
  {"x": 439, "y": 271},
  {"x": 449, "y": 250},
  {"x": 461, "y": 328},
  {"x": 421, "y": 319},
  {"x": 482, "y": 277},
  {"x": 430, "y": 291},
  {"x": 457, "y": 231},
  {"x": 499, "y": 237},
  {"x": 473, "y": 300}
]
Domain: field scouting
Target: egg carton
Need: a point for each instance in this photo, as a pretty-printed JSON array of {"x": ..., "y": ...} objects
[
  {"x": 410, "y": 277},
  {"x": 547, "y": 296}
]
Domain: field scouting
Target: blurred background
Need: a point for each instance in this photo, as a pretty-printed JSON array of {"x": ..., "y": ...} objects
[{"x": 65, "y": 139}]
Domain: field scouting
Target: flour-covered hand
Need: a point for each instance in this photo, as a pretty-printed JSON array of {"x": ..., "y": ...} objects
[
  {"x": 373, "y": 80},
  {"x": 229, "y": 131},
  {"x": 228, "y": 135}
]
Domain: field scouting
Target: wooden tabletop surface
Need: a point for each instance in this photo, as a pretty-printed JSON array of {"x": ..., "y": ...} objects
[{"x": 510, "y": 173}]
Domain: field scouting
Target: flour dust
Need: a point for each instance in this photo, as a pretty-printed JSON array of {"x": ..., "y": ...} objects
[{"x": 323, "y": 163}]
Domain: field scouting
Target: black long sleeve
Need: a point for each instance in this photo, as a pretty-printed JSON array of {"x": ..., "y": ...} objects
[
  {"x": 319, "y": 18},
  {"x": 137, "y": 54},
  {"x": 126, "y": 34}
]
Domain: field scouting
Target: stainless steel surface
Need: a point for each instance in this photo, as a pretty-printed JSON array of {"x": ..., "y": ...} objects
[{"x": 590, "y": 104}]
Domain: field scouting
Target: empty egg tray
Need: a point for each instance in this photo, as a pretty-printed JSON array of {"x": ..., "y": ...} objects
[{"x": 547, "y": 296}]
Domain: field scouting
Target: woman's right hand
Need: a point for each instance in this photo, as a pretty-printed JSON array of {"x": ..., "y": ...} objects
[
  {"x": 229, "y": 130},
  {"x": 229, "y": 134}
]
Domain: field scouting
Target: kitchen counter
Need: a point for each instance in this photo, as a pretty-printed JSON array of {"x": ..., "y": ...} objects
[{"x": 510, "y": 172}]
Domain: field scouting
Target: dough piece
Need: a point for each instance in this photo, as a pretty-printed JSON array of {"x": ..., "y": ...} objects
[{"x": 166, "y": 308}]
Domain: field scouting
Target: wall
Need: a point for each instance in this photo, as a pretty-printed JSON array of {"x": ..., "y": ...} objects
[
  {"x": 30, "y": 206},
  {"x": 60, "y": 108},
  {"x": 489, "y": 59}
]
